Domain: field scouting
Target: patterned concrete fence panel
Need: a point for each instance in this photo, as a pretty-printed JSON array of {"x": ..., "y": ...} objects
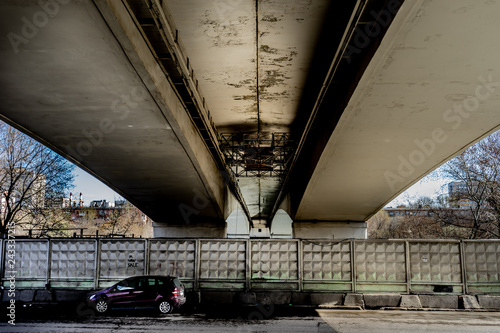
[
  {"x": 31, "y": 263},
  {"x": 73, "y": 263},
  {"x": 326, "y": 266},
  {"x": 274, "y": 265},
  {"x": 435, "y": 266},
  {"x": 416, "y": 266},
  {"x": 222, "y": 264},
  {"x": 482, "y": 266},
  {"x": 120, "y": 258},
  {"x": 174, "y": 257},
  {"x": 380, "y": 266}
]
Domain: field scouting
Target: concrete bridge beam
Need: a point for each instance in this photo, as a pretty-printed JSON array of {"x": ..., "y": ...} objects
[
  {"x": 329, "y": 230},
  {"x": 199, "y": 230}
]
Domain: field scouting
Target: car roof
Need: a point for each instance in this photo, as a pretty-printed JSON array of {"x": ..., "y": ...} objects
[{"x": 157, "y": 276}]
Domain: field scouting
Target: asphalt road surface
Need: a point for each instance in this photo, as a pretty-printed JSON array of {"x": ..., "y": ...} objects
[{"x": 320, "y": 321}]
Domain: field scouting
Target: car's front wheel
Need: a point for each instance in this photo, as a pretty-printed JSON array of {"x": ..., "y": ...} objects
[
  {"x": 165, "y": 307},
  {"x": 101, "y": 306}
]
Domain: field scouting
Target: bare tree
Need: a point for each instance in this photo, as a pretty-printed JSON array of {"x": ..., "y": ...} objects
[
  {"x": 31, "y": 177},
  {"x": 123, "y": 221},
  {"x": 52, "y": 222},
  {"x": 477, "y": 198},
  {"x": 379, "y": 226},
  {"x": 411, "y": 224}
]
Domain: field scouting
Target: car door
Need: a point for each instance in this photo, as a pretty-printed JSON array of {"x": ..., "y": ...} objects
[
  {"x": 123, "y": 292},
  {"x": 145, "y": 292}
]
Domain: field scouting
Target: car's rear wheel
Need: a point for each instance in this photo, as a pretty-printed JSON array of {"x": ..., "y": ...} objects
[
  {"x": 101, "y": 306},
  {"x": 165, "y": 307}
]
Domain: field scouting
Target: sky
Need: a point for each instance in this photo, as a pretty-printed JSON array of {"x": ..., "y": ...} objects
[
  {"x": 91, "y": 188},
  {"x": 429, "y": 186}
]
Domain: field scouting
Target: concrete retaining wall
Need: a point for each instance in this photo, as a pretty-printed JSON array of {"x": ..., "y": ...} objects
[{"x": 287, "y": 298}]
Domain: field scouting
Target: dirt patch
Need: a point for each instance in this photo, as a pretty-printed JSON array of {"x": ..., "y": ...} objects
[
  {"x": 270, "y": 18},
  {"x": 268, "y": 49}
]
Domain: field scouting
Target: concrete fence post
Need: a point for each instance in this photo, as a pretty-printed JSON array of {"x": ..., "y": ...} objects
[
  {"x": 407, "y": 267},
  {"x": 353, "y": 265},
  {"x": 463, "y": 268},
  {"x": 300, "y": 264},
  {"x": 248, "y": 266},
  {"x": 49, "y": 262},
  {"x": 97, "y": 263},
  {"x": 146, "y": 256},
  {"x": 197, "y": 265}
]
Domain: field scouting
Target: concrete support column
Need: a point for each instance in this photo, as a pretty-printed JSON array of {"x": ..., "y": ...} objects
[
  {"x": 329, "y": 230},
  {"x": 198, "y": 230}
]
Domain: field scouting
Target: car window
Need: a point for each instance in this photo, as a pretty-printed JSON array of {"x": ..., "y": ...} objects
[
  {"x": 151, "y": 282},
  {"x": 177, "y": 282},
  {"x": 165, "y": 283},
  {"x": 141, "y": 283},
  {"x": 127, "y": 284},
  {"x": 144, "y": 283}
]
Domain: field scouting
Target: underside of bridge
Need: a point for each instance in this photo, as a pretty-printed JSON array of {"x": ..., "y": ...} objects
[{"x": 198, "y": 111}]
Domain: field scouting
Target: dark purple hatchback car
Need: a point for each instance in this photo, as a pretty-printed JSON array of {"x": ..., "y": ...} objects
[{"x": 165, "y": 293}]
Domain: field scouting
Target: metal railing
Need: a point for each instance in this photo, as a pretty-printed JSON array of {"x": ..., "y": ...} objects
[{"x": 401, "y": 266}]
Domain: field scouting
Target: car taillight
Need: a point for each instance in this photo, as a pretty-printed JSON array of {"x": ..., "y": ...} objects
[{"x": 176, "y": 291}]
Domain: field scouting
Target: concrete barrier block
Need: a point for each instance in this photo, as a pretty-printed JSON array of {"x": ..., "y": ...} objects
[
  {"x": 274, "y": 297},
  {"x": 468, "y": 302},
  {"x": 69, "y": 295},
  {"x": 373, "y": 301},
  {"x": 217, "y": 297},
  {"x": 43, "y": 296},
  {"x": 327, "y": 299},
  {"x": 300, "y": 299},
  {"x": 410, "y": 301},
  {"x": 193, "y": 297},
  {"x": 354, "y": 300},
  {"x": 489, "y": 302},
  {"x": 248, "y": 298},
  {"x": 439, "y": 301},
  {"x": 20, "y": 295}
]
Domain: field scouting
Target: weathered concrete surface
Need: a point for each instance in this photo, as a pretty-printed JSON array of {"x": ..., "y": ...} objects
[
  {"x": 274, "y": 297},
  {"x": 247, "y": 298},
  {"x": 439, "y": 301},
  {"x": 489, "y": 302},
  {"x": 91, "y": 89},
  {"x": 20, "y": 295},
  {"x": 468, "y": 302},
  {"x": 410, "y": 301},
  {"x": 354, "y": 300},
  {"x": 278, "y": 298},
  {"x": 43, "y": 296},
  {"x": 199, "y": 229},
  {"x": 250, "y": 79},
  {"x": 374, "y": 301},
  {"x": 299, "y": 298},
  {"x": 405, "y": 117},
  {"x": 217, "y": 297}
]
